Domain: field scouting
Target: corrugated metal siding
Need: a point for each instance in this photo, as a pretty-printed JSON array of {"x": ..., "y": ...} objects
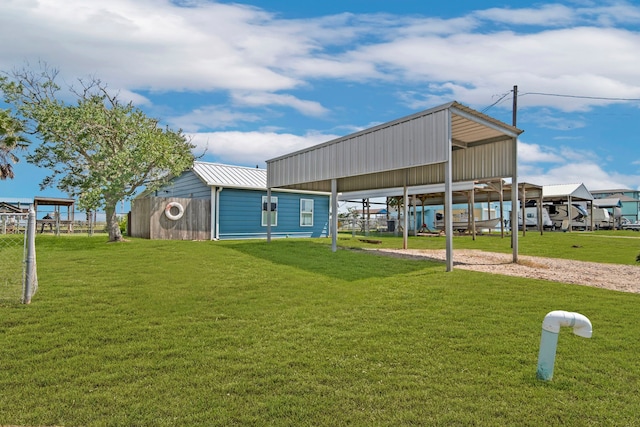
[
  {"x": 411, "y": 150},
  {"x": 479, "y": 162},
  {"x": 415, "y": 141},
  {"x": 483, "y": 161},
  {"x": 241, "y": 215}
]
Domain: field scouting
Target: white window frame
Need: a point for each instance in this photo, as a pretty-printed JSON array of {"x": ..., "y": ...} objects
[
  {"x": 306, "y": 213},
  {"x": 274, "y": 213}
]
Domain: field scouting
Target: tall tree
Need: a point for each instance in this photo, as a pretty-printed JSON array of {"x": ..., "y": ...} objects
[
  {"x": 11, "y": 140},
  {"x": 98, "y": 149}
]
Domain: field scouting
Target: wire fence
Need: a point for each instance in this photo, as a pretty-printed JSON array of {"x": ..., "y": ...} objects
[
  {"x": 77, "y": 222},
  {"x": 12, "y": 256}
]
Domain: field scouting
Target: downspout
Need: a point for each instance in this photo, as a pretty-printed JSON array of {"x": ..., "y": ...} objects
[
  {"x": 212, "y": 220},
  {"x": 549, "y": 339},
  {"x": 217, "y": 223}
]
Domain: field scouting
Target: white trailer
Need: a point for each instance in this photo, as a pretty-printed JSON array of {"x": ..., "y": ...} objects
[
  {"x": 602, "y": 219},
  {"x": 531, "y": 218}
]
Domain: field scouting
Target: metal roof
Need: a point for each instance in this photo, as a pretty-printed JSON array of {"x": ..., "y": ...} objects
[
  {"x": 609, "y": 202},
  {"x": 563, "y": 191},
  {"x": 410, "y": 150},
  {"x": 53, "y": 201},
  {"x": 219, "y": 175},
  {"x": 614, "y": 191}
]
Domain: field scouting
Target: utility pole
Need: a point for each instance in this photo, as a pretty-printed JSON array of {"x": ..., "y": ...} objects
[{"x": 515, "y": 106}]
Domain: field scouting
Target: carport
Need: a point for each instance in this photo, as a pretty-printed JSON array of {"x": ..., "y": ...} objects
[
  {"x": 444, "y": 145},
  {"x": 569, "y": 193}
]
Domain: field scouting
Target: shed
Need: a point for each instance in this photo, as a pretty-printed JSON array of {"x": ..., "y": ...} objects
[
  {"x": 446, "y": 144},
  {"x": 217, "y": 201}
]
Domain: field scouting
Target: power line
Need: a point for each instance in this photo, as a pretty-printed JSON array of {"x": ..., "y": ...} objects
[
  {"x": 560, "y": 95},
  {"x": 497, "y": 102},
  {"x": 602, "y": 98}
]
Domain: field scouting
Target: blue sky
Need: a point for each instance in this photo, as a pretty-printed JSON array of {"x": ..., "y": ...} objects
[{"x": 249, "y": 81}]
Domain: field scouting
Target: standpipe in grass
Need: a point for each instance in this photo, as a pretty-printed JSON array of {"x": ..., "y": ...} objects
[{"x": 549, "y": 339}]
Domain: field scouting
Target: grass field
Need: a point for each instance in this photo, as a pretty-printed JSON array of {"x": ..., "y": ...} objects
[{"x": 167, "y": 333}]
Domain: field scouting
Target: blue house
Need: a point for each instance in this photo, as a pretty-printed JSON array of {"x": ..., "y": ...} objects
[{"x": 216, "y": 201}]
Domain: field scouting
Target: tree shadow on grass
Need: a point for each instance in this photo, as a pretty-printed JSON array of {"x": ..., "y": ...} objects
[{"x": 345, "y": 264}]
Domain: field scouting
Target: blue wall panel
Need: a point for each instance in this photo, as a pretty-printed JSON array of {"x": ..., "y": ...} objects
[{"x": 241, "y": 215}]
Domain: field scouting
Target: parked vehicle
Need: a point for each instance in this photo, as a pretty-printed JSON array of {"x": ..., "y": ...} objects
[
  {"x": 602, "y": 219},
  {"x": 628, "y": 225},
  {"x": 531, "y": 218},
  {"x": 576, "y": 217}
]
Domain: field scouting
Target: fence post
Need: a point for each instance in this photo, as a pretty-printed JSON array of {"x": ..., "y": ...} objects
[{"x": 30, "y": 277}]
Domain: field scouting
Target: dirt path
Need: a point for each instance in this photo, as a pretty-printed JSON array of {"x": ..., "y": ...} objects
[{"x": 625, "y": 278}]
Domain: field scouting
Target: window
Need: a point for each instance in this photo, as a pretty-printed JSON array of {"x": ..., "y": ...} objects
[
  {"x": 274, "y": 211},
  {"x": 306, "y": 212}
]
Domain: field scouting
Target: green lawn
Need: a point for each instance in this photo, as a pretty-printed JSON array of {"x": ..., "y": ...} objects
[{"x": 167, "y": 333}]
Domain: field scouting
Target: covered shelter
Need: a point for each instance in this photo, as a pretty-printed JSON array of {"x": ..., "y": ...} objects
[
  {"x": 568, "y": 193},
  {"x": 59, "y": 219},
  {"x": 448, "y": 144},
  {"x": 466, "y": 192},
  {"x": 613, "y": 205}
]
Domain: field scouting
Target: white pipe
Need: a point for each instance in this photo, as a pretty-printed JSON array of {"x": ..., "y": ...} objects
[
  {"x": 580, "y": 324},
  {"x": 551, "y": 325}
]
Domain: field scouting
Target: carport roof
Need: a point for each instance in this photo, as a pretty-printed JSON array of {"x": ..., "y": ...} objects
[
  {"x": 611, "y": 202},
  {"x": 564, "y": 191},
  {"x": 407, "y": 151}
]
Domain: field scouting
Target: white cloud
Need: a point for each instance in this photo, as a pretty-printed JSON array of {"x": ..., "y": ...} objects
[
  {"x": 154, "y": 44},
  {"x": 546, "y": 15},
  {"x": 253, "y": 148},
  {"x": 259, "y": 99},
  {"x": 534, "y": 153},
  {"x": 212, "y": 117},
  {"x": 159, "y": 45},
  {"x": 599, "y": 62},
  {"x": 592, "y": 175},
  {"x": 546, "y": 118}
]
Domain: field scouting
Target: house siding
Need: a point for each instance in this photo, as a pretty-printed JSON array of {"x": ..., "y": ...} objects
[
  {"x": 241, "y": 215},
  {"x": 239, "y": 211},
  {"x": 186, "y": 185}
]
